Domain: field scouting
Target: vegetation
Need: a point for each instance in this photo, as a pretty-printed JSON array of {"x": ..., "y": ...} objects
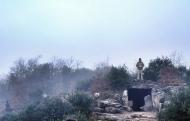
[
  {"x": 55, "y": 109},
  {"x": 178, "y": 109},
  {"x": 184, "y": 72},
  {"x": 160, "y": 67},
  {"x": 111, "y": 78},
  {"x": 81, "y": 102},
  {"x": 152, "y": 72},
  {"x": 83, "y": 85},
  {"x": 34, "y": 84},
  {"x": 119, "y": 78},
  {"x": 29, "y": 80}
]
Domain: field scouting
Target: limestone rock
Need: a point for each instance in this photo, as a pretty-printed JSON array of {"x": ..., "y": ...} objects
[
  {"x": 148, "y": 103},
  {"x": 113, "y": 110},
  {"x": 97, "y": 109},
  {"x": 107, "y": 117},
  {"x": 127, "y": 108},
  {"x": 108, "y": 103}
]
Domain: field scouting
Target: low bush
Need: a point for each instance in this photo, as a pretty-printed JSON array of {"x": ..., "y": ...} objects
[
  {"x": 178, "y": 109},
  {"x": 119, "y": 78},
  {"x": 83, "y": 85},
  {"x": 49, "y": 110},
  {"x": 55, "y": 109},
  {"x": 81, "y": 117},
  {"x": 81, "y": 102},
  {"x": 152, "y": 72},
  {"x": 10, "y": 117}
]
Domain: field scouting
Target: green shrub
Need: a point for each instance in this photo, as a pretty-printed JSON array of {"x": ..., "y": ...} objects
[
  {"x": 153, "y": 70},
  {"x": 119, "y": 78},
  {"x": 178, "y": 109},
  {"x": 10, "y": 117},
  {"x": 55, "y": 109},
  {"x": 81, "y": 117},
  {"x": 83, "y": 85},
  {"x": 49, "y": 110},
  {"x": 184, "y": 72},
  {"x": 81, "y": 102}
]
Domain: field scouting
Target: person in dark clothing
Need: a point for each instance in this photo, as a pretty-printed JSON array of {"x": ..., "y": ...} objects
[{"x": 140, "y": 66}]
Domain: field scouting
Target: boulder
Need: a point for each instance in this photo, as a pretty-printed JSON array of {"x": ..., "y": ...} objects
[
  {"x": 125, "y": 97},
  {"x": 148, "y": 103},
  {"x": 97, "y": 109},
  {"x": 108, "y": 103},
  {"x": 107, "y": 117},
  {"x": 127, "y": 108},
  {"x": 118, "y": 98},
  {"x": 112, "y": 110}
]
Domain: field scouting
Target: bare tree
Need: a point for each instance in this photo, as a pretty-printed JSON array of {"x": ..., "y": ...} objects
[{"x": 176, "y": 58}]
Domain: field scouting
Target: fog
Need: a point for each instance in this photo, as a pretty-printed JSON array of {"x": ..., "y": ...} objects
[{"x": 29, "y": 81}]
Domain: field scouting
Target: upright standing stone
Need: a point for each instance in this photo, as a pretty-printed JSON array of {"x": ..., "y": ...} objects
[
  {"x": 125, "y": 97},
  {"x": 8, "y": 108},
  {"x": 148, "y": 103},
  {"x": 140, "y": 66}
]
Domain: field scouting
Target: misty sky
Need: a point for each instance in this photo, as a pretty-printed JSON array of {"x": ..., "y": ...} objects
[{"x": 93, "y": 30}]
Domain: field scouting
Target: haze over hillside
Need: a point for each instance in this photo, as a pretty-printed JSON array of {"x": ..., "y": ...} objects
[
  {"x": 91, "y": 31},
  {"x": 94, "y": 60}
]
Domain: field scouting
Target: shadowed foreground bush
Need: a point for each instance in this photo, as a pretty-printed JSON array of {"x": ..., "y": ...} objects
[
  {"x": 178, "y": 109},
  {"x": 55, "y": 109},
  {"x": 81, "y": 102}
]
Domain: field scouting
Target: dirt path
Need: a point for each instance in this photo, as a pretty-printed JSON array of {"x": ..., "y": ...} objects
[
  {"x": 128, "y": 116},
  {"x": 138, "y": 116}
]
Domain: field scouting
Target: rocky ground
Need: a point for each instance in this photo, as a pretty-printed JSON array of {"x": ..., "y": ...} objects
[
  {"x": 117, "y": 107},
  {"x": 113, "y": 110},
  {"x": 127, "y": 116}
]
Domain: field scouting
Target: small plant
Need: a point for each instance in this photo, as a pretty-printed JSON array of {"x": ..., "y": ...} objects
[
  {"x": 178, "y": 109},
  {"x": 81, "y": 117},
  {"x": 83, "y": 85},
  {"x": 81, "y": 102}
]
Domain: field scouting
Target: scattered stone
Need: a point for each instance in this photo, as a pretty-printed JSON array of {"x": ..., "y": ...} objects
[
  {"x": 118, "y": 108},
  {"x": 127, "y": 108},
  {"x": 126, "y": 116},
  {"x": 97, "y": 109},
  {"x": 108, "y": 103},
  {"x": 108, "y": 117},
  {"x": 112, "y": 110}
]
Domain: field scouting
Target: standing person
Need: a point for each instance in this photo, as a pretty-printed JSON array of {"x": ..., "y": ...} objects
[{"x": 140, "y": 66}]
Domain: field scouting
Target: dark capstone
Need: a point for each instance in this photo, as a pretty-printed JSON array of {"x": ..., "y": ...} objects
[{"x": 71, "y": 120}]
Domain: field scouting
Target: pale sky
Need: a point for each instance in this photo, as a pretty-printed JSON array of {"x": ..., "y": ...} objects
[{"x": 93, "y": 30}]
